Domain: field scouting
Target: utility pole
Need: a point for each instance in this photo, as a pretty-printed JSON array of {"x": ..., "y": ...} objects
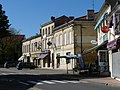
[{"x": 93, "y": 4}]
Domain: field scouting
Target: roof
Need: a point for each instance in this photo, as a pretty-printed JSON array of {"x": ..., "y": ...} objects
[
  {"x": 84, "y": 18},
  {"x": 58, "y": 21},
  {"x": 32, "y": 37},
  {"x": 16, "y": 37}
]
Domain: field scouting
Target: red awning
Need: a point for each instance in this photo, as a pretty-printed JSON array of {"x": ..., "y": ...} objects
[{"x": 41, "y": 56}]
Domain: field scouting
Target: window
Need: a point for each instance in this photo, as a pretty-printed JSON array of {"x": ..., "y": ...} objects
[
  {"x": 68, "y": 60},
  {"x": 47, "y": 44},
  {"x": 117, "y": 26},
  {"x": 65, "y": 39},
  {"x": 56, "y": 40},
  {"x": 60, "y": 39},
  {"x": 43, "y": 32},
  {"x": 70, "y": 37},
  {"x": 52, "y": 29},
  {"x": 32, "y": 47},
  {"x": 48, "y": 30},
  {"x": 58, "y": 60}
]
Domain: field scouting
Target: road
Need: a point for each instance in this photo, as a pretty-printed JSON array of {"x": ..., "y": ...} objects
[{"x": 42, "y": 79}]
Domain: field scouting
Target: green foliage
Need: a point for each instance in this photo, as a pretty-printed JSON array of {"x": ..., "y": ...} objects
[
  {"x": 4, "y": 24},
  {"x": 10, "y": 46}
]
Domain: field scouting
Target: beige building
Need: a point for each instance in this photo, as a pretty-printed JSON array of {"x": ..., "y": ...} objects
[
  {"x": 72, "y": 38},
  {"x": 60, "y": 37},
  {"x": 48, "y": 43},
  {"x": 31, "y": 48}
]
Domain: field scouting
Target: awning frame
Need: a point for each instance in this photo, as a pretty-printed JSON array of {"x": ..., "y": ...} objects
[
  {"x": 94, "y": 48},
  {"x": 42, "y": 56}
]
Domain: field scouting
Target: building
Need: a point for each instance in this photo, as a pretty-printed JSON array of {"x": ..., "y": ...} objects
[
  {"x": 114, "y": 39},
  {"x": 107, "y": 28},
  {"x": 67, "y": 36},
  {"x": 59, "y": 37},
  {"x": 48, "y": 44},
  {"x": 31, "y": 48},
  {"x": 72, "y": 38}
]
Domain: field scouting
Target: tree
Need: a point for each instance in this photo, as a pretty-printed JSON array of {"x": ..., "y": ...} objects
[
  {"x": 10, "y": 48},
  {"x": 4, "y": 24}
]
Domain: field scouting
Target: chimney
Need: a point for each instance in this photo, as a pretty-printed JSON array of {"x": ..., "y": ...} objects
[
  {"x": 90, "y": 14},
  {"x": 52, "y": 18},
  {"x": 71, "y": 17}
]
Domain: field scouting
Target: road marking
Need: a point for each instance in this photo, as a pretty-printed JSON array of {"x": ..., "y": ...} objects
[
  {"x": 39, "y": 82},
  {"x": 24, "y": 83},
  {"x": 48, "y": 82},
  {"x": 4, "y": 74},
  {"x": 83, "y": 81},
  {"x": 12, "y": 73},
  {"x": 33, "y": 82},
  {"x": 7, "y": 73},
  {"x": 73, "y": 81},
  {"x": 58, "y": 81}
]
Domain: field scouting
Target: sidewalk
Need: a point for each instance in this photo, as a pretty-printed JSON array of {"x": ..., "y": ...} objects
[{"x": 104, "y": 80}]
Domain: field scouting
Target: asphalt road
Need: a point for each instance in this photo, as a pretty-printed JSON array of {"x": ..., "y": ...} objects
[{"x": 41, "y": 79}]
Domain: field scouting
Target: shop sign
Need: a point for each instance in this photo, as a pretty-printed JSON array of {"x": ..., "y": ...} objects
[{"x": 105, "y": 29}]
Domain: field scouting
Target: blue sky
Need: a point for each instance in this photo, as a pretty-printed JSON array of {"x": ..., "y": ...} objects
[{"x": 27, "y": 15}]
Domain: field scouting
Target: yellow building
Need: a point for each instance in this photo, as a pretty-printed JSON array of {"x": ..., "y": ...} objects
[{"x": 72, "y": 38}]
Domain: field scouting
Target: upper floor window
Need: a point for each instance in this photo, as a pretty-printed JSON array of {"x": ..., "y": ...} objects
[
  {"x": 43, "y": 31},
  {"x": 65, "y": 39},
  {"x": 117, "y": 25},
  {"x": 70, "y": 37},
  {"x": 60, "y": 40},
  {"x": 52, "y": 29},
  {"x": 56, "y": 40},
  {"x": 48, "y": 30}
]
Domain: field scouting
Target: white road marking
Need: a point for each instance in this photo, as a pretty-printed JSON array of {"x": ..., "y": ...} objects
[
  {"x": 83, "y": 81},
  {"x": 4, "y": 74},
  {"x": 73, "y": 81},
  {"x": 48, "y": 82},
  {"x": 39, "y": 82},
  {"x": 58, "y": 81},
  {"x": 24, "y": 83},
  {"x": 33, "y": 82}
]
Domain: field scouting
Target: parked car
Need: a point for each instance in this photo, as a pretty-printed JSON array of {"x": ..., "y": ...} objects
[
  {"x": 22, "y": 65},
  {"x": 10, "y": 64}
]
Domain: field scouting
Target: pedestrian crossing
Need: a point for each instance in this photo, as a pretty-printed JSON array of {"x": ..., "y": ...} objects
[
  {"x": 51, "y": 82},
  {"x": 15, "y": 73}
]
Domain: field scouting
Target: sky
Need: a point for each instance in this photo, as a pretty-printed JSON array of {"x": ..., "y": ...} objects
[{"x": 26, "y": 16}]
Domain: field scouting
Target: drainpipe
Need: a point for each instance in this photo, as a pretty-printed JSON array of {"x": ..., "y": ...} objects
[{"x": 81, "y": 38}]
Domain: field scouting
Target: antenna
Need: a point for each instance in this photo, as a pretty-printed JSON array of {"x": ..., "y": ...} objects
[{"x": 93, "y": 4}]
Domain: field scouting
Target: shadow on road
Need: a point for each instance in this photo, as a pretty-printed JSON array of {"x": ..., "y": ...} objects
[{"x": 10, "y": 82}]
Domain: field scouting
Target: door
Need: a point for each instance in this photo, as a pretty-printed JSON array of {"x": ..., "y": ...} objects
[{"x": 103, "y": 60}]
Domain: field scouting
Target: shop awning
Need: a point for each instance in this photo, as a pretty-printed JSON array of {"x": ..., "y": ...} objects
[
  {"x": 41, "y": 56},
  {"x": 114, "y": 44},
  {"x": 70, "y": 56},
  {"x": 94, "y": 48},
  {"x": 21, "y": 58},
  {"x": 100, "y": 20}
]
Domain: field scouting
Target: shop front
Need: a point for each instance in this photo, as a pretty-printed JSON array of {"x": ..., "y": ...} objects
[
  {"x": 114, "y": 54},
  {"x": 102, "y": 57},
  {"x": 44, "y": 59}
]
